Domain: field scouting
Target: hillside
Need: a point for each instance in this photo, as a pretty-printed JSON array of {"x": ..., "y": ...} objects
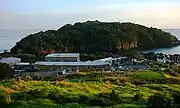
[
  {"x": 93, "y": 90},
  {"x": 95, "y": 36}
]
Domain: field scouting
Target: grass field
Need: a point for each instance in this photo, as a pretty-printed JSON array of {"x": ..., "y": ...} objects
[
  {"x": 148, "y": 75},
  {"x": 98, "y": 89},
  {"x": 64, "y": 94}
]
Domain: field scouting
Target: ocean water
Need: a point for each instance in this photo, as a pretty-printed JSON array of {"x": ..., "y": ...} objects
[
  {"x": 9, "y": 37},
  {"x": 173, "y": 50}
]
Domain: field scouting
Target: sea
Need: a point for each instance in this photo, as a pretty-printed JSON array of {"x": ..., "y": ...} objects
[
  {"x": 9, "y": 37},
  {"x": 172, "y": 50}
]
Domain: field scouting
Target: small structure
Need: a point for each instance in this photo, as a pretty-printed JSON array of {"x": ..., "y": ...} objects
[
  {"x": 63, "y": 57},
  {"x": 109, "y": 59},
  {"x": 10, "y": 60},
  {"x": 20, "y": 68}
]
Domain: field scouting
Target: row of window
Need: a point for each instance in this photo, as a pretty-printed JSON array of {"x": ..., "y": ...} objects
[{"x": 64, "y": 60}]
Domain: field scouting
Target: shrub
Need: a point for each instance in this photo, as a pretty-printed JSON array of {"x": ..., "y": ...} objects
[
  {"x": 84, "y": 99},
  {"x": 176, "y": 98},
  {"x": 5, "y": 95},
  {"x": 129, "y": 106},
  {"x": 123, "y": 79},
  {"x": 160, "y": 100},
  {"x": 168, "y": 81},
  {"x": 36, "y": 77},
  {"x": 100, "y": 101},
  {"x": 54, "y": 96},
  {"x": 72, "y": 105},
  {"x": 5, "y": 71},
  {"x": 34, "y": 103},
  {"x": 138, "y": 97}
]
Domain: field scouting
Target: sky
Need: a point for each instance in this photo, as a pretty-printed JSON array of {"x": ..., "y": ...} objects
[{"x": 52, "y": 14}]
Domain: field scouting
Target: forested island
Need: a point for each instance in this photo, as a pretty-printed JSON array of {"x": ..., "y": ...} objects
[
  {"x": 158, "y": 86},
  {"x": 94, "y": 36}
]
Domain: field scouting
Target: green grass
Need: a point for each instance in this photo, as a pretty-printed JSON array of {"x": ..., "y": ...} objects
[
  {"x": 129, "y": 106},
  {"x": 148, "y": 75},
  {"x": 71, "y": 93},
  {"x": 44, "y": 103},
  {"x": 38, "y": 91}
]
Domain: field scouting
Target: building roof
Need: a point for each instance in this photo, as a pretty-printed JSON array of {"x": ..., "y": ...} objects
[
  {"x": 72, "y": 63},
  {"x": 63, "y": 55},
  {"x": 104, "y": 59},
  {"x": 23, "y": 64},
  {"x": 10, "y": 60}
]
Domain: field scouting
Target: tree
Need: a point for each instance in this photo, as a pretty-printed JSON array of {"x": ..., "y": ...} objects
[
  {"x": 160, "y": 100},
  {"x": 5, "y": 71},
  {"x": 94, "y": 36}
]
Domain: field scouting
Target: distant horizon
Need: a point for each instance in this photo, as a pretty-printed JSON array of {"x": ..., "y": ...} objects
[
  {"x": 9, "y": 37},
  {"x": 52, "y": 14},
  {"x": 82, "y": 22}
]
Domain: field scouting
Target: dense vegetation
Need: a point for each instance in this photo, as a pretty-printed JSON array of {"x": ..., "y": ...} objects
[
  {"x": 99, "y": 89},
  {"x": 94, "y": 36},
  {"x": 5, "y": 71},
  {"x": 153, "y": 88}
]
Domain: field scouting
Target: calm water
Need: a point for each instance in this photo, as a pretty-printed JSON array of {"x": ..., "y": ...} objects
[
  {"x": 174, "y": 50},
  {"x": 8, "y": 39}
]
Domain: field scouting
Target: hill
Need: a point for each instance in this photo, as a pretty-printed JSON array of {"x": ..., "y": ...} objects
[{"x": 95, "y": 36}]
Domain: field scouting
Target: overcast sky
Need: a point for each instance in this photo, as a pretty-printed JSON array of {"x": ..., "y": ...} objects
[{"x": 52, "y": 14}]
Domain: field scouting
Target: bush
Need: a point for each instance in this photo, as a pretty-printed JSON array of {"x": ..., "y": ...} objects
[
  {"x": 176, "y": 98},
  {"x": 54, "y": 96},
  {"x": 84, "y": 99},
  {"x": 100, "y": 101},
  {"x": 138, "y": 97},
  {"x": 129, "y": 106},
  {"x": 34, "y": 103},
  {"x": 104, "y": 100},
  {"x": 160, "y": 100},
  {"x": 107, "y": 99},
  {"x": 5, "y": 71}
]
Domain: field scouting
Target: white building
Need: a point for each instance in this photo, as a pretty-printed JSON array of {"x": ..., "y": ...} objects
[
  {"x": 59, "y": 64},
  {"x": 109, "y": 60},
  {"x": 10, "y": 60},
  {"x": 70, "y": 67},
  {"x": 63, "y": 57},
  {"x": 20, "y": 68}
]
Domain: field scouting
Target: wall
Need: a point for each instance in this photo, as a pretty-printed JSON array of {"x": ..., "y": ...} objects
[{"x": 62, "y": 59}]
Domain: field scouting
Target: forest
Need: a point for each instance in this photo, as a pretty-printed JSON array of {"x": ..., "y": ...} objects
[{"x": 95, "y": 36}]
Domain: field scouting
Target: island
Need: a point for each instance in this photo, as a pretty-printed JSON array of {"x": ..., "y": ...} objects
[
  {"x": 95, "y": 36},
  {"x": 72, "y": 76}
]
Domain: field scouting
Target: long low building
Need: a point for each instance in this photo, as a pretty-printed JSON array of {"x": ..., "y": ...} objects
[
  {"x": 63, "y": 57},
  {"x": 76, "y": 64},
  {"x": 57, "y": 64},
  {"x": 73, "y": 66}
]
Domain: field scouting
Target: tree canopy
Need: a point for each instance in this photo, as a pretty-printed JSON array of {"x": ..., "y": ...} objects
[
  {"x": 5, "y": 71},
  {"x": 94, "y": 36}
]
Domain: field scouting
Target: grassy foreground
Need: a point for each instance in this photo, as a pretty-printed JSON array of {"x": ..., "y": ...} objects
[{"x": 112, "y": 90}]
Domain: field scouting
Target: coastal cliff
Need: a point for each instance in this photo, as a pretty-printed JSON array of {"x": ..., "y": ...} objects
[{"x": 95, "y": 36}]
